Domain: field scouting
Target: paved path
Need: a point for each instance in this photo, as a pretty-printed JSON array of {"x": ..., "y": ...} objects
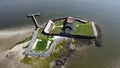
[{"x": 94, "y": 29}]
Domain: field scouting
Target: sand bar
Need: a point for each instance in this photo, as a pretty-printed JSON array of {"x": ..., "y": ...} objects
[{"x": 9, "y": 37}]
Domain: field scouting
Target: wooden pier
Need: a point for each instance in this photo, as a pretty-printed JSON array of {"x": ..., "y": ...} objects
[{"x": 34, "y": 19}]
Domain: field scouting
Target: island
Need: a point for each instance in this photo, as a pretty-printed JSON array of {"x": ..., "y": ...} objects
[{"x": 52, "y": 44}]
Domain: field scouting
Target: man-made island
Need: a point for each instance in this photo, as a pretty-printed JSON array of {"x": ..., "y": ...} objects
[
  {"x": 57, "y": 40},
  {"x": 45, "y": 39},
  {"x": 51, "y": 45}
]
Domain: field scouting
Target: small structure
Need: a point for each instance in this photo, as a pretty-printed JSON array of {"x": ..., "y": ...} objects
[
  {"x": 68, "y": 26},
  {"x": 49, "y": 27}
]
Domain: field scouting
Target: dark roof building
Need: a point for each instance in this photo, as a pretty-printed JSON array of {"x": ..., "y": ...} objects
[{"x": 68, "y": 26}]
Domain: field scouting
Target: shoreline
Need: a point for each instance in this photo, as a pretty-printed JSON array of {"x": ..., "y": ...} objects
[
  {"x": 14, "y": 56},
  {"x": 17, "y": 28},
  {"x": 9, "y": 37}
]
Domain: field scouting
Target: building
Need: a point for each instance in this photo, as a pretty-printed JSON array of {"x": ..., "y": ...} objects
[
  {"x": 68, "y": 26},
  {"x": 49, "y": 27}
]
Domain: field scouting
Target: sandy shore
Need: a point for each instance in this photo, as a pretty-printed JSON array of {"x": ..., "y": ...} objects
[
  {"x": 9, "y": 37},
  {"x": 11, "y": 58}
]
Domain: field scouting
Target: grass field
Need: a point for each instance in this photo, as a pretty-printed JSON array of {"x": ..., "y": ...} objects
[
  {"x": 58, "y": 27},
  {"x": 83, "y": 29},
  {"x": 41, "y": 45},
  {"x": 58, "y": 23},
  {"x": 40, "y": 35}
]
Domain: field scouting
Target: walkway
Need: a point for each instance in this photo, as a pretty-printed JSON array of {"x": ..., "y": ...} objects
[{"x": 94, "y": 29}]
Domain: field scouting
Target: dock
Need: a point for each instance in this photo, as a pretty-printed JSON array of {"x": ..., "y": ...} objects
[{"x": 34, "y": 19}]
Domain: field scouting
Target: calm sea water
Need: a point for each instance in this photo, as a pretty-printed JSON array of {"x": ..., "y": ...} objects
[{"x": 106, "y": 13}]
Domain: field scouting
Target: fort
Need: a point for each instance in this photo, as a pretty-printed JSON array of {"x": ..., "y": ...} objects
[{"x": 45, "y": 39}]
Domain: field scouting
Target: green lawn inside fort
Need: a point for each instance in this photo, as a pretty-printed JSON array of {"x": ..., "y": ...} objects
[{"x": 83, "y": 29}]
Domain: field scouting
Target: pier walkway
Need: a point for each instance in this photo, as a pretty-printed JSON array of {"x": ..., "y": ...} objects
[{"x": 34, "y": 19}]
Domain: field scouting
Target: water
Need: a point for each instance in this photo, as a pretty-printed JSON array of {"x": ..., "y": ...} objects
[{"x": 106, "y": 13}]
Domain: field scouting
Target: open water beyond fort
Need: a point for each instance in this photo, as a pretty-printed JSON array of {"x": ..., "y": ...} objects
[{"x": 105, "y": 13}]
